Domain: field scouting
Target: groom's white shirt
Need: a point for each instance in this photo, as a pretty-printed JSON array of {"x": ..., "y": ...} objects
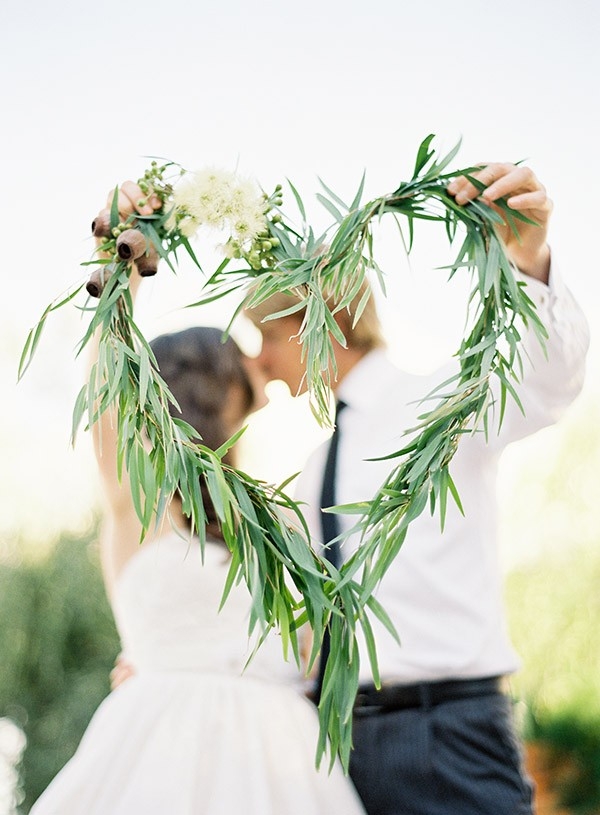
[{"x": 444, "y": 591}]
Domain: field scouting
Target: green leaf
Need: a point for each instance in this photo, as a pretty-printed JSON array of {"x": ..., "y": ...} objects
[
  {"x": 330, "y": 207},
  {"x": 423, "y": 155},
  {"x": 379, "y": 611},
  {"x": 334, "y": 197},
  {"x": 144, "y": 376},
  {"x": 188, "y": 248},
  {"x": 33, "y": 338},
  {"x": 299, "y": 202},
  {"x": 114, "y": 209},
  {"x": 359, "y": 192}
]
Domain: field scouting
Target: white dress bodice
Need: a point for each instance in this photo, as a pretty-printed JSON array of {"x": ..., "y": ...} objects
[{"x": 167, "y": 608}]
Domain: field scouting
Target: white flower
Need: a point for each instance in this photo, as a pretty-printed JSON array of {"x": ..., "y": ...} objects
[
  {"x": 221, "y": 200},
  {"x": 248, "y": 225}
]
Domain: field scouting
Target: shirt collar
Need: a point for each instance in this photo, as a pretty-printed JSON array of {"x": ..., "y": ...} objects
[{"x": 366, "y": 381}]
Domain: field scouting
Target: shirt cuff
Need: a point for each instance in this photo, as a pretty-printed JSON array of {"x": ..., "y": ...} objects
[{"x": 544, "y": 295}]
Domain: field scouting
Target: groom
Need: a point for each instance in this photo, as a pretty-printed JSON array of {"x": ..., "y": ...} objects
[{"x": 438, "y": 738}]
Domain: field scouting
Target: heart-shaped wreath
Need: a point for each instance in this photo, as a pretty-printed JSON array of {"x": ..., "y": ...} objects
[{"x": 324, "y": 273}]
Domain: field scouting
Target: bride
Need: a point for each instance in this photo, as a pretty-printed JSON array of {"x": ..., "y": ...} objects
[{"x": 192, "y": 732}]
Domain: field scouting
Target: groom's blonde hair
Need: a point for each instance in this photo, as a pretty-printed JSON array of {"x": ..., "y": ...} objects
[{"x": 366, "y": 335}]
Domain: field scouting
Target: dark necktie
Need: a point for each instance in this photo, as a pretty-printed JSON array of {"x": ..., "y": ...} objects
[{"x": 330, "y": 527}]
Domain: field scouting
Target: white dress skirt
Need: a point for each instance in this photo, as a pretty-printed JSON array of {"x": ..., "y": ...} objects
[{"x": 193, "y": 733}]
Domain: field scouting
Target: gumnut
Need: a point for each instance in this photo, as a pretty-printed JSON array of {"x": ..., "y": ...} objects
[
  {"x": 147, "y": 264},
  {"x": 131, "y": 244},
  {"x": 97, "y": 282},
  {"x": 101, "y": 224}
]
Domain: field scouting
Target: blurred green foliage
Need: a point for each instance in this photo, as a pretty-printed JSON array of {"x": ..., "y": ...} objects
[
  {"x": 554, "y": 606},
  {"x": 571, "y": 739},
  {"x": 58, "y": 643},
  {"x": 553, "y": 599}
]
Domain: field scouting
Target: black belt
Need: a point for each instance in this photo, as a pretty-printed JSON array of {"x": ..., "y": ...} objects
[{"x": 369, "y": 700}]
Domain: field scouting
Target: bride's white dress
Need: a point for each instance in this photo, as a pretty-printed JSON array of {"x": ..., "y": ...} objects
[{"x": 193, "y": 733}]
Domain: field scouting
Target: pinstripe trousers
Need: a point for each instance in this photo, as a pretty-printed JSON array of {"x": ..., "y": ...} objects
[{"x": 460, "y": 757}]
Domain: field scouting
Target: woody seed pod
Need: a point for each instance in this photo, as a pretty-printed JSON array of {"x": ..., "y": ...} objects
[
  {"x": 101, "y": 225},
  {"x": 147, "y": 264},
  {"x": 96, "y": 283},
  {"x": 131, "y": 244}
]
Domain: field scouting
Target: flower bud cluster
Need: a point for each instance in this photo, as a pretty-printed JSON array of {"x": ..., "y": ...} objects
[
  {"x": 120, "y": 228},
  {"x": 154, "y": 182},
  {"x": 260, "y": 254}
]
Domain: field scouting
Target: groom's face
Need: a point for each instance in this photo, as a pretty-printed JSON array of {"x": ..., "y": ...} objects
[{"x": 281, "y": 353}]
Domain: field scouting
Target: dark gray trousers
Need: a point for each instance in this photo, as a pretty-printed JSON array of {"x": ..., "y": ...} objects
[{"x": 456, "y": 758}]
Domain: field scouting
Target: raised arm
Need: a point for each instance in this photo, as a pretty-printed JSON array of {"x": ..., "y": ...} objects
[
  {"x": 553, "y": 376},
  {"x": 121, "y": 527}
]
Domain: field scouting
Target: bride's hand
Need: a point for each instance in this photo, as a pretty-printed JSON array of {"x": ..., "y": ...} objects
[
  {"x": 130, "y": 200},
  {"x": 122, "y": 671}
]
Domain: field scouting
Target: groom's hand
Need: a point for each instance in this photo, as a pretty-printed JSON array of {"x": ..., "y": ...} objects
[{"x": 523, "y": 192}]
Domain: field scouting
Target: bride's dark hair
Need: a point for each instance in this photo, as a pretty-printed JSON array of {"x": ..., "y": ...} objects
[{"x": 200, "y": 370}]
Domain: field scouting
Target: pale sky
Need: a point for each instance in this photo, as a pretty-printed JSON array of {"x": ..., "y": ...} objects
[{"x": 280, "y": 90}]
